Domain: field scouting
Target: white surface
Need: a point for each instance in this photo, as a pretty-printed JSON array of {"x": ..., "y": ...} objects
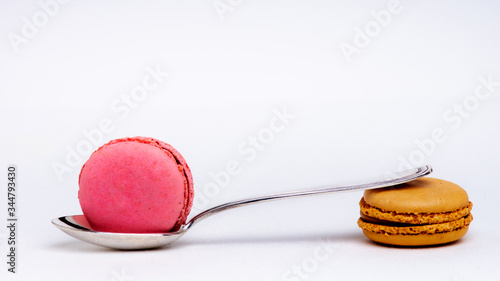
[{"x": 227, "y": 78}]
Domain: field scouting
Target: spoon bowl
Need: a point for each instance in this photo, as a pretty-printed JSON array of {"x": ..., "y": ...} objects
[{"x": 78, "y": 227}]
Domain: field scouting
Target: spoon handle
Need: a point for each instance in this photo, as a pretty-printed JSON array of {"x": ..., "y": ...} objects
[{"x": 394, "y": 179}]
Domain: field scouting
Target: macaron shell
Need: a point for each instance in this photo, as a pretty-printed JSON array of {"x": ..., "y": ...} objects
[
  {"x": 423, "y": 195},
  {"x": 135, "y": 185},
  {"x": 189, "y": 191},
  {"x": 417, "y": 240}
]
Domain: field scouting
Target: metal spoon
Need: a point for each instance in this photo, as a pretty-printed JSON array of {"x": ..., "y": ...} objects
[{"x": 78, "y": 227}]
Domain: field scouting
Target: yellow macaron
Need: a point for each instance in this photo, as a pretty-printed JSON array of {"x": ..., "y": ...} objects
[{"x": 425, "y": 211}]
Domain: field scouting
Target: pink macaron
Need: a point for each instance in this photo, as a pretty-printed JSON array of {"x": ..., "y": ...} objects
[{"x": 136, "y": 185}]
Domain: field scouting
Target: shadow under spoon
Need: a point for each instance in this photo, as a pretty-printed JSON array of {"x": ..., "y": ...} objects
[{"x": 78, "y": 227}]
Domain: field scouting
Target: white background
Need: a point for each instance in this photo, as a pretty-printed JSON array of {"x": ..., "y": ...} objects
[{"x": 354, "y": 116}]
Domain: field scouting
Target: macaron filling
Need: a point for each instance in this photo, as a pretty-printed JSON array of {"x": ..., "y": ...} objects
[
  {"x": 412, "y": 218},
  {"x": 391, "y": 222},
  {"x": 409, "y": 229},
  {"x": 373, "y": 220}
]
